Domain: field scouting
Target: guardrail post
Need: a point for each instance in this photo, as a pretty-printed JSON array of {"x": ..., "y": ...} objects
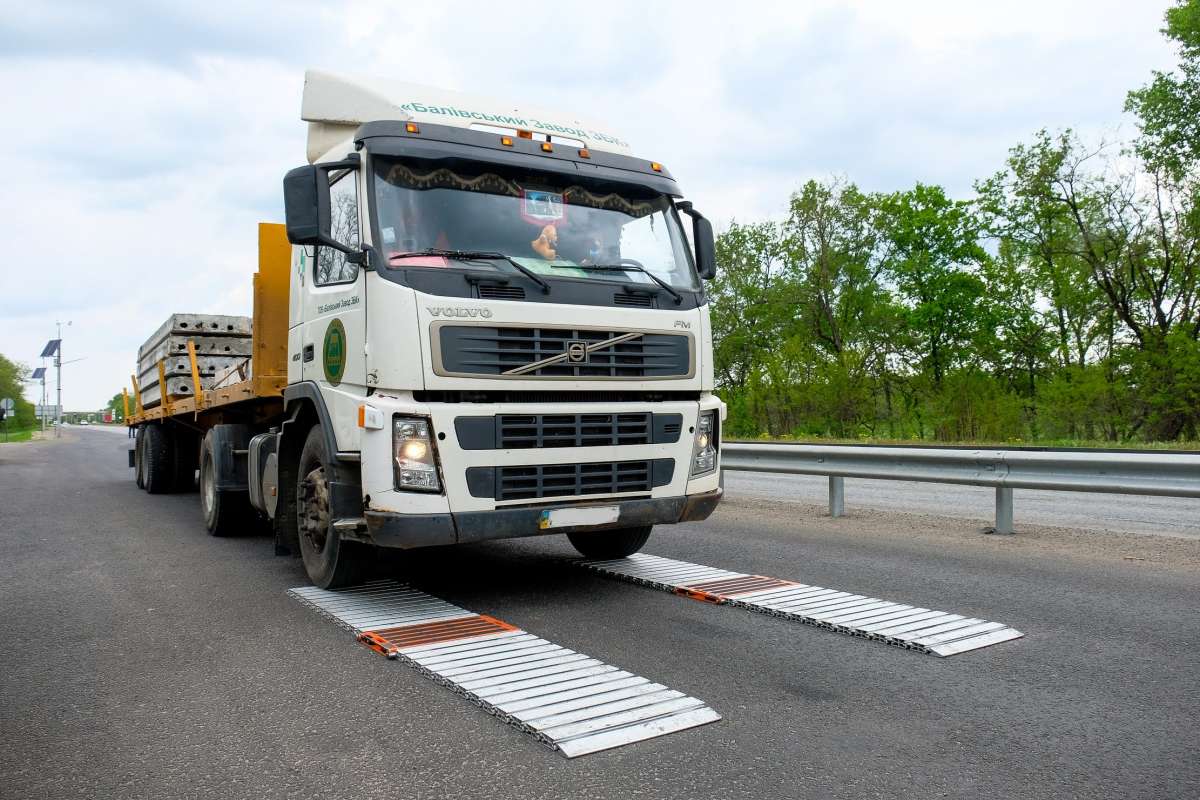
[
  {"x": 837, "y": 496},
  {"x": 1004, "y": 510}
]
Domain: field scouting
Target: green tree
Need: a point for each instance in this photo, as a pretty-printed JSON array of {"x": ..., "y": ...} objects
[
  {"x": 117, "y": 406},
  {"x": 832, "y": 260},
  {"x": 932, "y": 254},
  {"x": 1168, "y": 108},
  {"x": 12, "y": 377},
  {"x": 1036, "y": 232}
]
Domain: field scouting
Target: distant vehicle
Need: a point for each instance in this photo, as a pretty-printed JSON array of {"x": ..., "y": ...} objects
[{"x": 84, "y": 422}]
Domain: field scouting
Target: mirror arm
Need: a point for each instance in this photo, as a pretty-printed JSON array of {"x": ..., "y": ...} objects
[{"x": 710, "y": 269}]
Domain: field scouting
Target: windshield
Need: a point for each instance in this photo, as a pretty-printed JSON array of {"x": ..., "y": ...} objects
[{"x": 544, "y": 222}]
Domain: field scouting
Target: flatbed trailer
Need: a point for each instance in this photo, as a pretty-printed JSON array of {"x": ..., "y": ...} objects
[
  {"x": 170, "y": 438},
  {"x": 261, "y": 394}
]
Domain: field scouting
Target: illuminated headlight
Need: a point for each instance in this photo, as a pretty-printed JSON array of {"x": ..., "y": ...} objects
[
  {"x": 414, "y": 459},
  {"x": 704, "y": 448}
]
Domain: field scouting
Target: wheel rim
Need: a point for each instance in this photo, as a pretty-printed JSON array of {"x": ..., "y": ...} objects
[
  {"x": 208, "y": 489},
  {"x": 314, "y": 509}
]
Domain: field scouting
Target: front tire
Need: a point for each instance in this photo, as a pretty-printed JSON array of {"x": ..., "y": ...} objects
[
  {"x": 610, "y": 543},
  {"x": 329, "y": 561}
]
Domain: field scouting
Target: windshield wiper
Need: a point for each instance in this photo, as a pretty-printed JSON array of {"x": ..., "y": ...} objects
[
  {"x": 478, "y": 255},
  {"x": 631, "y": 268}
]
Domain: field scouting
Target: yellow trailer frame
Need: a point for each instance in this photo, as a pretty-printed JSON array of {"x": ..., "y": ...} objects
[{"x": 269, "y": 351}]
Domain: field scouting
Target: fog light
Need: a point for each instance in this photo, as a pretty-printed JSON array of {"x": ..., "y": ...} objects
[
  {"x": 704, "y": 451},
  {"x": 414, "y": 461}
]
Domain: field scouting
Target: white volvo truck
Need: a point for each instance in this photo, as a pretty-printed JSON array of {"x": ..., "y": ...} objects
[{"x": 496, "y": 327}]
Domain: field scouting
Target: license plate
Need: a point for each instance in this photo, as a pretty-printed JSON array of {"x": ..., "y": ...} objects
[{"x": 572, "y": 517}]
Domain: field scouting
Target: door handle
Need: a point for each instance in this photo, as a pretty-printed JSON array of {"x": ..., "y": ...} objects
[{"x": 308, "y": 352}]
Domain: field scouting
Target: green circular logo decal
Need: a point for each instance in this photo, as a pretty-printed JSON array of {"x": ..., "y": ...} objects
[{"x": 334, "y": 352}]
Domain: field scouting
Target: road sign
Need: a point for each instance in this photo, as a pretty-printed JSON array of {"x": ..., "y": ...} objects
[{"x": 7, "y": 404}]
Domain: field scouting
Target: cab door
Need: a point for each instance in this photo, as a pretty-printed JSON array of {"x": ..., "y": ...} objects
[{"x": 334, "y": 313}]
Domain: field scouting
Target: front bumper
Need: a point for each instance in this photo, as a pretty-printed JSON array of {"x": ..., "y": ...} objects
[{"x": 389, "y": 529}]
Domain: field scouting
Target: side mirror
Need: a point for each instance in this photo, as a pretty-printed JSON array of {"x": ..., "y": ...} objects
[
  {"x": 702, "y": 239},
  {"x": 302, "y": 206},
  {"x": 706, "y": 248},
  {"x": 306, "y": 204}
]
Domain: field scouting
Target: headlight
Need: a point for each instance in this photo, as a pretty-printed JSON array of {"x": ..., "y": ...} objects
[
  {"x": 704, "y": 448},
  {"x": 414, "y": 460}
]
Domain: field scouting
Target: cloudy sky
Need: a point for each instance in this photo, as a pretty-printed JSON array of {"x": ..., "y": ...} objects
[{"x": 144, "y": 143}]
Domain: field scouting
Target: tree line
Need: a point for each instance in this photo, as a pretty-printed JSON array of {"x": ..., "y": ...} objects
[
  {"x": 1059, "y": 303},
  {"x": 12, "y": 378}
]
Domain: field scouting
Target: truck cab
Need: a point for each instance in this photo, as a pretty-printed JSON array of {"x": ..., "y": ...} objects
[{"x": 497, "y": 327}]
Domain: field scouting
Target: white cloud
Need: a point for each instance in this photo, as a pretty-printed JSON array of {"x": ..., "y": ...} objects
[{"x": 145, "y": 144}]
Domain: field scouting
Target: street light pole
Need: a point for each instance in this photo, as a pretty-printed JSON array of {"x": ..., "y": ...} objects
[{"x": 58, "y": 361}]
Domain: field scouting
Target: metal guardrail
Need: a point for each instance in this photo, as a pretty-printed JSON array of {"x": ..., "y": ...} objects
[{"x": 1161, "y": 474}]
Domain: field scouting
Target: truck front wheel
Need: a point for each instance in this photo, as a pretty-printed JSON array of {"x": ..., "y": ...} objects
[
  {"x": 329, "y": 561},
  {"x": 612, "y": 543}
]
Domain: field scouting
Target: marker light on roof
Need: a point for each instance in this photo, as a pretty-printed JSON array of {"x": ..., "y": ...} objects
[
  {"x": 547, "y": 147},
  {"x": 506, "y": 141},
  {"x": 411, "y": 127},
  {"x": 584, "y": 153},
  {"x": 524, "y": 134},
  {"x": 657, "y": 167}
]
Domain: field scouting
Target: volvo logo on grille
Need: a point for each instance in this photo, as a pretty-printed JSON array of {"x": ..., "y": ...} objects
[{"x": 576, "y": 353}]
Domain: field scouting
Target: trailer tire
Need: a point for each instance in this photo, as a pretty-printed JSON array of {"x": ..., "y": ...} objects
[
  {"x": 330, "y": 561},
  {"x": 156, "y": 460},
  {"x": 610, "y": 543},
  {"x": 139, "y": 459},
  {"x": 226, "y": 513}
]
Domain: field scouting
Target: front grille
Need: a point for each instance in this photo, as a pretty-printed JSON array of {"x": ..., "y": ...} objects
[
  {"x": 537, "y": 481},
  {"x": 510, "y": 352}
]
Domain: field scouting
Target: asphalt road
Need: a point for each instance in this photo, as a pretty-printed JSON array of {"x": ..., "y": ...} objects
[
  {"x": 142, "y": 658},
  {"x": 1158, "y": 516}
]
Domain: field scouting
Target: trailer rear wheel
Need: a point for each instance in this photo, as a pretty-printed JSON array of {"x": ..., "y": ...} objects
[
  {"x": 226, "y": 513},
  {"x": 157, "y": 474},
  {"x": 330, "y": 561},
  {"x": 611, "y": 543},
  {"x": 139, "y": 459}
]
